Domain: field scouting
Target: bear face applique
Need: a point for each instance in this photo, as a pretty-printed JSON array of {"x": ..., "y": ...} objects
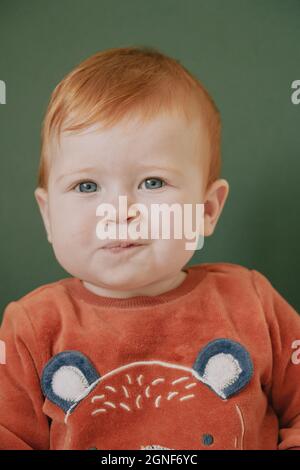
[{"x": 152, "y": 404}]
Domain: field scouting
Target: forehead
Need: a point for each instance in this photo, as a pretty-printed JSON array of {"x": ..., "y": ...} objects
[{"x": 169, "y": 139}]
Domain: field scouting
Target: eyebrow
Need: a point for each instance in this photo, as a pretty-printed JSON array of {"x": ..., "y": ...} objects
[
  {"x": 143, "y": 167},
  {"x": 73, "y": 173},
  {"x": 157, "y": 167}
]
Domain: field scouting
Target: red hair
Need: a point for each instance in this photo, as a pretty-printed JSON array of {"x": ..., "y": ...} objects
[{"x": 119, "y": 82}]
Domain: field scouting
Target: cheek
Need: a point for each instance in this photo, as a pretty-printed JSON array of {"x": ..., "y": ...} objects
[
  {"x": 72, "y": 227},
  {"x": 178, "y": 227},
  {"x": 171, "y": 253}
]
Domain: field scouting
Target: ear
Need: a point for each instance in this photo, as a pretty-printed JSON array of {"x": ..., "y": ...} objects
[
  {"x": 225, "y": 366},
  {"x": 215, "y": 199},
  {"x": 67, "y": 378},
  {"x": 41, "y": 196}
]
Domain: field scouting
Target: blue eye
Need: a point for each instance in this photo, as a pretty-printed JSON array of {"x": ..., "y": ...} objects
[
  {"x": 154, "y": 185},
  {"x": 87, "y": 187}
]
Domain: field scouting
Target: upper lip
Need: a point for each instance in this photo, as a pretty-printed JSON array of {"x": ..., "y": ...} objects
[{"x": 121, "y": 244}]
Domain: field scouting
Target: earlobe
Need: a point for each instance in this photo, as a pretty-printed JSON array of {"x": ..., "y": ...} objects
[{"x": 41, "y": 197}]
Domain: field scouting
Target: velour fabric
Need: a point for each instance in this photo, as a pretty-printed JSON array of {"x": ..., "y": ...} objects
[{"x": 211, "y": 364}]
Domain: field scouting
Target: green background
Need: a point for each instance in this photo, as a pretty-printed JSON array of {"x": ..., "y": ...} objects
[{"x": 247, "y": 54}]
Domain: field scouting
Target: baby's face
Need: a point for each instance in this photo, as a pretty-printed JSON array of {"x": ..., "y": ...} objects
[{"x": 162, "y": 161}]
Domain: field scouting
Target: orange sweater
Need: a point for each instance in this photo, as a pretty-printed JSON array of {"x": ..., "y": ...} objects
[{"x": 212, "y": 364}]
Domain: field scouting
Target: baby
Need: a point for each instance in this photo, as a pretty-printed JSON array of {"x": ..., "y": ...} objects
[{"x": 136, "y": 349}]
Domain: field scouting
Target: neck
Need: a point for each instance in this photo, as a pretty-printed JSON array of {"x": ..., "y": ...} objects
[{"x": 157, "y": 288}]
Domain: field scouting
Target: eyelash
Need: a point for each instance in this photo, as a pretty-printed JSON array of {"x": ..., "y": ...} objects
[{"x": 165, "y": 183}]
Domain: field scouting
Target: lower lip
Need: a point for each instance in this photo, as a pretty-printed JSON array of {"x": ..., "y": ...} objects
[{"x": 120, "y": 249}]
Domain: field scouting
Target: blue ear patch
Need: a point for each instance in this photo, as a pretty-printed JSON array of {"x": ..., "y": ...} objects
[
  {"x": 225, "y": 366},
  {"x": 67, "y": 377}
]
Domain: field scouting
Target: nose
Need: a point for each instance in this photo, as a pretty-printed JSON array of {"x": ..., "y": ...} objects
[{"x": 119, "y": 209}]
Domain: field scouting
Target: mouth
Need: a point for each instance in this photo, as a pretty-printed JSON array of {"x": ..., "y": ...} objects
[{"x": 117, "y": 247}]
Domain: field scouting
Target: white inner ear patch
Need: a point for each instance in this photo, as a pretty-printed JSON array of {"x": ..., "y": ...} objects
[
  {"x": 68, "y": 382},
  {"x": 221, "y": 370}
]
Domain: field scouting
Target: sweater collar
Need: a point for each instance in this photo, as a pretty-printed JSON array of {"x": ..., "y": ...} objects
[{"x": 191, "y": 280}]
